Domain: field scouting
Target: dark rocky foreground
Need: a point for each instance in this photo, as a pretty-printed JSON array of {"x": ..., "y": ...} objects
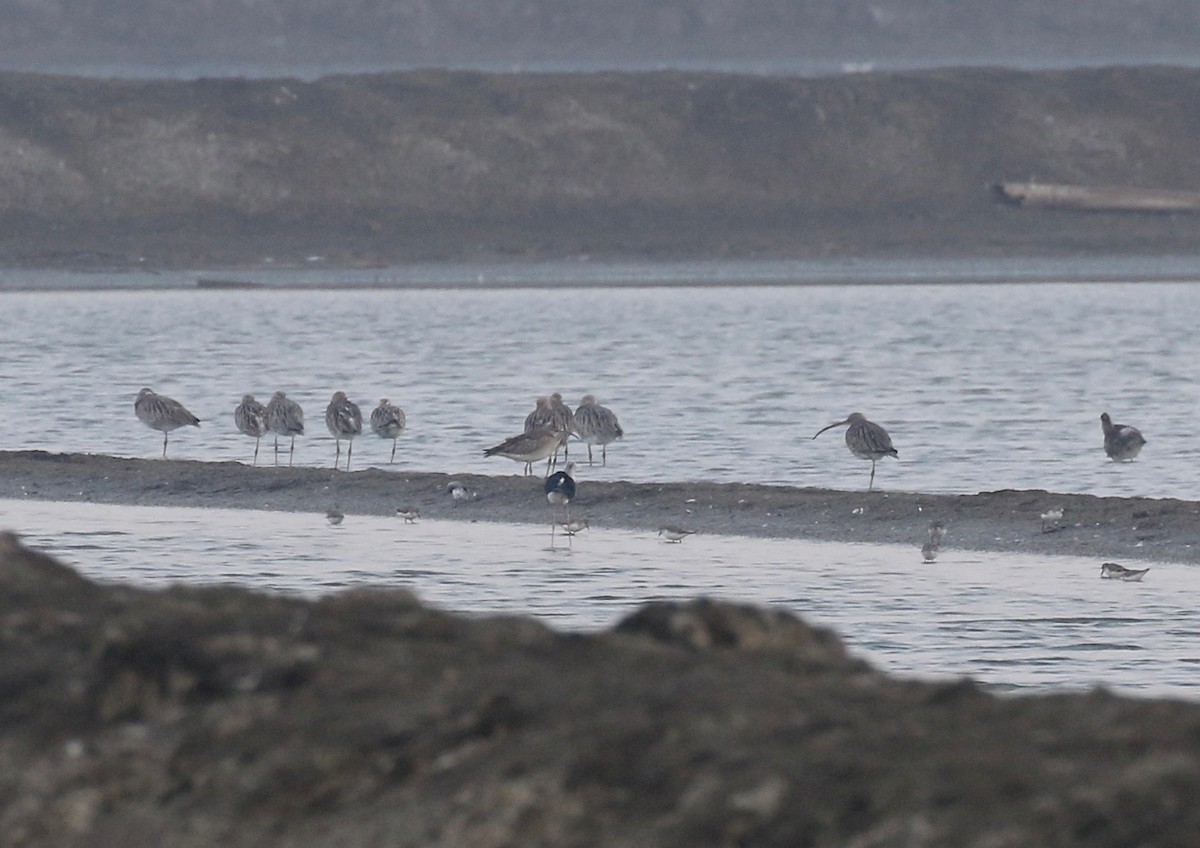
[
  {"x": 1106, "y": 528},
  {"x": 219, "y": 717}
]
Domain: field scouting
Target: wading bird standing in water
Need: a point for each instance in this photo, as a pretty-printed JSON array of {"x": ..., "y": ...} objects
[
  {"x": 866, "y": 440},
  {"x": 160, "y": 412},
  {"x": 540, "y": 443},
  {"x": 387, "y": 421},
  {"x": 933, "y": 544},
  {"x": 251, "y": 419},
  {"x": 560, "y": 491},
  {"x": 1114, "y": 571},
  {"x": 1121, "y": 442},
  {"x": 284, "y": 418},
  {"x": 344, "y": 420},
  {"x": 596, "y": 425}
]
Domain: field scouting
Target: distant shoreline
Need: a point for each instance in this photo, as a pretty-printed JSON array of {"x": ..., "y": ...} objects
[
  {"x": 606, "y": 273},
  {"x": 1107, "y": 528}
]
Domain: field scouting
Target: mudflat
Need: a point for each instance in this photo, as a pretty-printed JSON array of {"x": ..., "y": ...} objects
[{"x": 1112, "y": 528}]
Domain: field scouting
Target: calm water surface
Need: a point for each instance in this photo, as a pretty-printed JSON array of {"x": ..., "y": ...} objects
[
  {"x": 1010, "y": 620},
  {"x": 982, "y": 386}
]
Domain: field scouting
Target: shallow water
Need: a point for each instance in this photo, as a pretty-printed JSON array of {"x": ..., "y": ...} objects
[
  {"x": 982, "y": 386},
  {"x": 1008, "y": 620}
]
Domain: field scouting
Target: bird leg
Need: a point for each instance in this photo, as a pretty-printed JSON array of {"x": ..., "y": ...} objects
[
  {"x": 164, "y": 444},
  {"x": 349, "y": 450},
  {"x": 291, "y": 451},
  {"x": 871, "y": 485},
  {"x": 256, "y": 441},
  {"x": 393, "y": 459},
  {"x": 590, "y": 454}
]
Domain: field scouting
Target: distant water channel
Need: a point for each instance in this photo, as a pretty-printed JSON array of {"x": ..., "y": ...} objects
[
  {"x": 1017, "y": 622},
  {"x": 983, "y": 386}
]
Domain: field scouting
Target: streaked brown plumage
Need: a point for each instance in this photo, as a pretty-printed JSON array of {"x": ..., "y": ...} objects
[
  {"x": 284, "y": 418},
  {"x": 596, "y": 425},
  {"x": 251, "y": 419},
  {"x": 866, "y": 440},
  {"x": 344, "y": 420},
  {"x": 162, "y": 413},
  {"x": 529, "y": 447},
  {"x": 387, "y": 422}
]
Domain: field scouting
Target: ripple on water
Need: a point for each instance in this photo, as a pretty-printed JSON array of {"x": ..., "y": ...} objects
[{"x": 976, "y": 615}]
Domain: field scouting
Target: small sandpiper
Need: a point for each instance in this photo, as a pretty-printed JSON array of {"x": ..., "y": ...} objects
[
  {"x": 674, "y": 534},
  {"x": 409, "y": 513},
  {"x": 575, "y": 525},
  {"x": 929, "y": 550},
  {"x": 1050, "y": 519},
  {"x": 1113, "y": 571},
  {"x": 334, "y": 517},
  {"x": 459, "y": 492}
]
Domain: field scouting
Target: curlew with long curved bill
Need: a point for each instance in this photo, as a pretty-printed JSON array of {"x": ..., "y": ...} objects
[
  {"x": 284, "y": 418},
  {"x": 866, "y": 440},
  {"x": 387, "y": 422},
  {"x": 251, "y": 420},
  {"x": 1121, "y": 442},
  {"x": 344, "y": 420},
  {"x": 596, "y": 425},
  {"x": 160, "y": 412},
  {"x": 530, "y": 447}
]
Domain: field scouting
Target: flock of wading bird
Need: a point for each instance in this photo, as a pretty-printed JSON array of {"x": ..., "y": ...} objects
[
  {"x": 547, "y": 431},
  {"x": 547, "y": 428}
]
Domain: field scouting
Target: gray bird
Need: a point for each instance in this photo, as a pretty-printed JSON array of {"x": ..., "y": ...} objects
[
  {"x": 866, "y": 440},
  {"x": 1121, "y": 442},
  {"x": 251, "y": 420},
  {"x": 344, "y": 420},
  {"x": 160, "y": 412}
]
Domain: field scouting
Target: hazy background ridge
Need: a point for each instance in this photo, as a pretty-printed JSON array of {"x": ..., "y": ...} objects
[{"x": 303, "y": 36}]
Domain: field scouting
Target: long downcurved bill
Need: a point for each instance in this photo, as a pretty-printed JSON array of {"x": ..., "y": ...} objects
[{"x": 831, "y": 426}]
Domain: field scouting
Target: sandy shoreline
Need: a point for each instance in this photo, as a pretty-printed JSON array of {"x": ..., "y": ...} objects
[{"x": 1107, "y": 528}]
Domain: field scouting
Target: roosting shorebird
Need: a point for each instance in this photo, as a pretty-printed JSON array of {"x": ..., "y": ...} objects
[
  {"x": 284, "y": 418},
  {"x": 344, "y": 420},
  {"x": 866, "y": 440},
  {"x": 1121, "y": 442},
  {"x": 160, "y": 412},
  {"x": 596, "y": 425},
  {"x": 251, "y": 419},
  {"x": 1113, "y": 571},
  {"x": 387, "y": 422},
  {"x": 563, "y": 421},
  {"x": 540, "y": 443}
]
